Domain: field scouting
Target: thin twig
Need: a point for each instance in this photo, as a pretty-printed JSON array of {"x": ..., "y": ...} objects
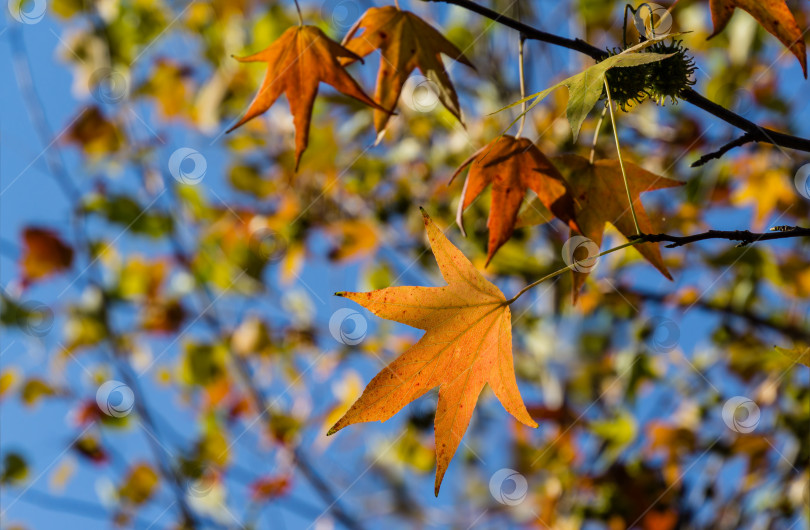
[
  {"x": 571, "y": 266},
  {"x": 596, "y": 134},
  {"x": 300, "y": 16},
  {"x": 714, "y": 155},
  {"x": 522, "y": 86}
]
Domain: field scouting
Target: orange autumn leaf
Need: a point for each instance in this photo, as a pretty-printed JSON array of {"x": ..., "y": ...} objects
[
  {"x": 468, "y": 342},
  {"x": 406, "y": 42},
  {"x": 512, "y": 165},
  {"x": 297, "y": 63},
  {"x": 268, "y": 488},
  {"x": 601, "y": 197},
  {"x": 773, "y": 15},
  {"x": 44, "y": 254}
]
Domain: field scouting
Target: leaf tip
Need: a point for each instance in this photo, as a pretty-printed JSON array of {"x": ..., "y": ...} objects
[{"x": 340, "y": 293}]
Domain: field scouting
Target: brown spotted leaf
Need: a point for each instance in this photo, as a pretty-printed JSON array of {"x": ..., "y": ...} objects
[{"x": 467, "y": 343}]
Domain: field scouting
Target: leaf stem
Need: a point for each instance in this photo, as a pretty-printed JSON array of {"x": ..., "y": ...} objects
[
  {"x": 571, "y": 266},
  {"x": 621, "y": 162},
  {"x": 596, "y": 133},
  {"x": 522, "y": 85},
  {"x": 300, "y": 16}
]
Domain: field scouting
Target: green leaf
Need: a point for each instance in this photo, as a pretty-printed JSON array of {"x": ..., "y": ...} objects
[
  {"x": 14, "y": 469},
  {"x": 797, "y": 355},
  {"x": 585, "y": 88},
  {"x": 125, "y": 211}
]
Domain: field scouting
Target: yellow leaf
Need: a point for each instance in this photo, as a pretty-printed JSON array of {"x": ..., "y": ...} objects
[
  {"x": 139, "y": 485},
  {"x": 797, "y": 355}
]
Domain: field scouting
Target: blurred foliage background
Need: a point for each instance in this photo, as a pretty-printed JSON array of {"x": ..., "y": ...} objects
[{"x": 167, "y": 358}]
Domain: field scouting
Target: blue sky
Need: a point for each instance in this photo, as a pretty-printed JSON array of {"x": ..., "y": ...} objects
[{"x": 30, "y": 196}]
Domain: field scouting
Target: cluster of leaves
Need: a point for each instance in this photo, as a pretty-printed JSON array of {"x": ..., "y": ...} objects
[{"x": 218, "y": 275}]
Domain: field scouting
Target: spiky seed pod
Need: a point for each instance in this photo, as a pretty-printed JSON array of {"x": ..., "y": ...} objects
[
  {"x": 668, "y": 78},
  {"x": 628, "y": 85}
]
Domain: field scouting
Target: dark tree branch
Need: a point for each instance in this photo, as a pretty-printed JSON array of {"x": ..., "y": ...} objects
[
  {"x": 714, "y": 155},
  {"x": 744, "y": 237},
  {"x": 754, "y": 132},
  {"x": 530, "y": 32}
]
